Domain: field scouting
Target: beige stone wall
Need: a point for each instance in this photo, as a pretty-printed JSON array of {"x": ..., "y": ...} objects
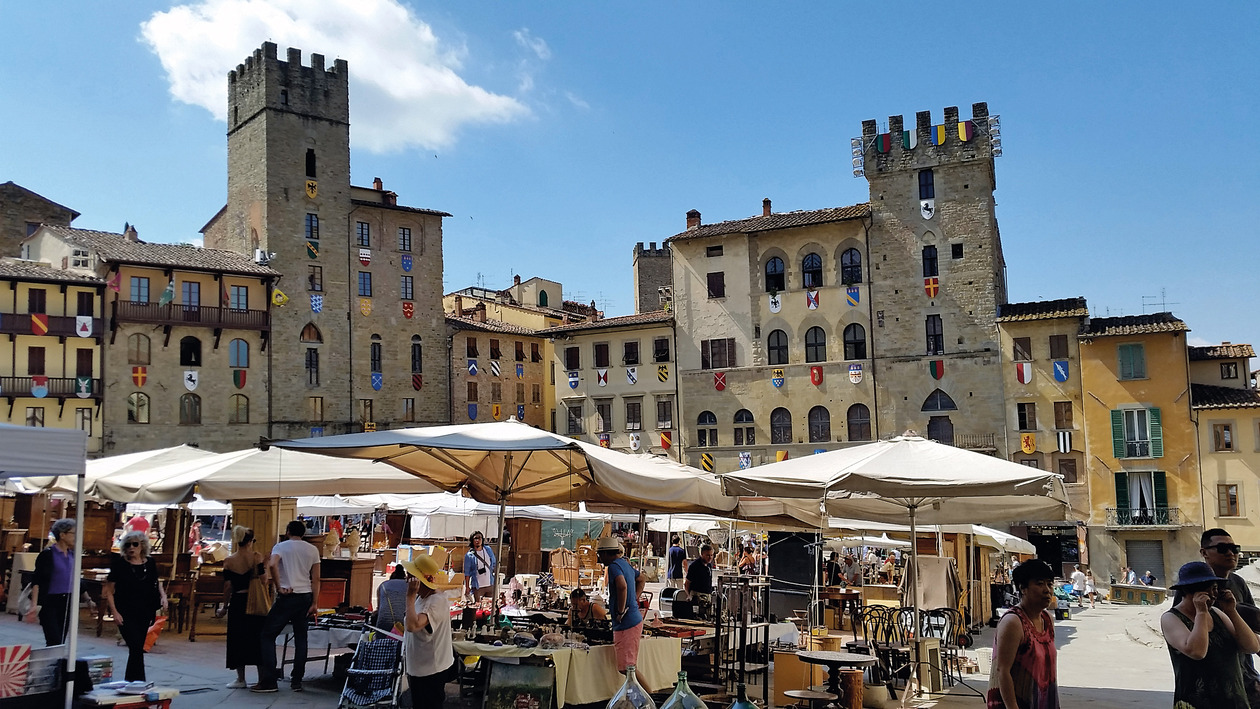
[
  {"x": 1239, "y": 466},
  {"x": 19, "y": 208},
  {"x": 533, "y": 374},
  {"x": 1209, "y": 371}
]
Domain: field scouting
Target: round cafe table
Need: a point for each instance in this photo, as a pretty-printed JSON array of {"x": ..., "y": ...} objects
[{"x": 834, "y": 661}]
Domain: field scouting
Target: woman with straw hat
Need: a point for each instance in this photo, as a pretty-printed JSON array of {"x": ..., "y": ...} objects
[{"x": 430, "y": 656}]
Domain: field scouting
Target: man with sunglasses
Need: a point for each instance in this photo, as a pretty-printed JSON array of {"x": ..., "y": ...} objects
[{"x": 1221, "y": 553}]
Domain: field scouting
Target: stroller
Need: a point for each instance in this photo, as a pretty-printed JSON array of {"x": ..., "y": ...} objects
[{"x": 375, "y": 673}]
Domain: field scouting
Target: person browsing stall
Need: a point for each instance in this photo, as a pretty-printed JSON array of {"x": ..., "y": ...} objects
[
  {"x": 851, "y": 571},
  {"x": 427, "y": 648},
  {"x": 1205, "y": 636},
  {"x": 700, "y": 573},
  {"x": 294, "y": 571},
  {"x": 624, "y": 585},
  {"x": 677, "y": 558},
  {"x": 1025, "y": 669},
  {"x": 1220, "y": 553},
  {"x": 583, "y": 610},
  {"x": 53, "y": 582},
  {"x": 480, "y": 566},
  {"x": 134, "y": 593}
]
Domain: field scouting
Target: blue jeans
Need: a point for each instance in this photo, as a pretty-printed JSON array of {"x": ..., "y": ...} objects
[{"x": 290, "y": 608}]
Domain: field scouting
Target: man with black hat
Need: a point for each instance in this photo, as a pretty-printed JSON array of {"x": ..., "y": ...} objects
[{"x": 1221, "y": 553}]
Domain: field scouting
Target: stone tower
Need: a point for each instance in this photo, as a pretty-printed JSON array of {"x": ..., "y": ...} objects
[
  {"x": 288, "y": 202},
  {"x": 653, "y": 277},
  {"x": 937, "y": 277}
]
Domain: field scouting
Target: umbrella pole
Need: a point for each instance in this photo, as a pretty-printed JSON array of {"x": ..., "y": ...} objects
[
  {"x": 914, "y": 601},
  {"x": 72, "y": 646},
  {"x": 507, "y": 471},
  {"x": 642, "y": 541}
]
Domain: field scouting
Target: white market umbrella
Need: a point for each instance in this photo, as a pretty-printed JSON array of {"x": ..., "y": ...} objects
[
  {"x": 883, "y": 542},
  {"x": 324, "y": 505},
  {"x": 99, "y": 468}
]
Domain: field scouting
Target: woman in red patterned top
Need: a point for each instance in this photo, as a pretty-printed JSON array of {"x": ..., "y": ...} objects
[{"x": 1025, "y": 674}]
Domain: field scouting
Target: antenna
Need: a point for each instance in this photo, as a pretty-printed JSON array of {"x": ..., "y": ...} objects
[{"x": 1161, "y": 300}]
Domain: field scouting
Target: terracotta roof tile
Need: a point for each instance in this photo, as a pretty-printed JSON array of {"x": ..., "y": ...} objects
[
  {"x": 781, "y": 220},
  {"x": 1043, "y": 310},
  {"x": 119, "y": 249},
  {"x": 1207, "y": 396},
  {"x": 655, "y": 316},
  {"x": 1132, "y": 325},
  {"x": 467, "y": 323},
  {"x": 19, "y": 269},
  {"x": 1222, "y": 351}
]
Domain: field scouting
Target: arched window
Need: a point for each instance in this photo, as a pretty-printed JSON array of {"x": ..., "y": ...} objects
[
  {"x": 927, "y": 185},
  {"x": 190, "y": 352},
  {"x": 417, "y": 360},
  {"x": 375, "y": 356},
  {"x": 930, "y": 267},
  {"x": 811, "y": 267},
  {"x": 819, "y": 425},
  {"x": 775, "y": 281},
  {"x": 706, "y": 429},
  {"x": 238, "y": 409},
  {"x": 138, "y": 349},
  {"x": 189, "y": 410},
  {"x": 310, "y": 333},
  {"x": 238, "y": 353},
  {"x": 859, "y": 423},
  {"x": 815, "y": 345},
  {"x": 542, "y": 298},
  {"x": 854, "y": 342},
  {"x": 745, "y": 432},
  {"x": 851, "y": 267},
  {"x": 780, "y": 426},
  {"x": 138, "y": 408},
  {"x": 939, "y": 401},
  {"x": 777, "y": 347}
]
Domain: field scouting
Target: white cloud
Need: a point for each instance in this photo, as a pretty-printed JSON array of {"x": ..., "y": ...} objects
[
  {"x": 1196, "y": 341},
  {"x": 534, "y": 44},
  {"x": 577, "y": 101},
  {"x": 405, "y": 86}
]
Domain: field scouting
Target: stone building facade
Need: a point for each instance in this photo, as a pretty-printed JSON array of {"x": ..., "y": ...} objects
[
  {"x": 653, "y": 278},
  {"x": 21, "y": 213},
  {"x": 361, "y": 272},
  {"x": 497, "y": 370},
  {"x": 50, "y": 355}
]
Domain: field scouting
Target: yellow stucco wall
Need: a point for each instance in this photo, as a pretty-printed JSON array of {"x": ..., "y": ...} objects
[{"x": 1240, "y": 466}]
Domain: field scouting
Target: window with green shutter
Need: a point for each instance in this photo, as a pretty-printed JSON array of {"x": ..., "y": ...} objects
[
  {"x": 1157, "y": 433},
  {"x": 1122, "y": 498},
  {"x": 1117, "y": 433},
  {"x": 1160, "y": 485},
  {"x": 1132, "y": 361}
]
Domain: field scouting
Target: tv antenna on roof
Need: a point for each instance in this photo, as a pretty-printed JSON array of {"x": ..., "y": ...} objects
[{"x": 1161, "y": 300}]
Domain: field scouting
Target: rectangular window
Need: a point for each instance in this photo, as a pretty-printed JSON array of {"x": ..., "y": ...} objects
[
  {"x": 315, "y": 408},
  {"x": 417, "y": 356},
  {"x": 408, "y": 288},
  {"x": 85, "y": 304},
  {"x": 35, "y": 416},
  {"x": 83, "y": 361},
  {"x": 520, "y": 393},
  {"x": 1229, "y": 370},
  {"x": 1062, "y": 415},
  {"x": 190, "y": 294},
  {"x": 1137, "y": 433},
  {"x": 409, "y": 410},
  {"x": 375, "y": 355},
  {"x": 717, "y": 284},
  {"x": 35, "y": 361},
  {"x": 470, "y": 348},
  {"x": 1022, "y": 351},
  {"x": 365, "y": 284},
  {"x": 1030, "y": 462},
  {"x": 711, "y": 251},
  {"x": 238, "y": 298},
  {"x": 1222, "y": 437},
  {"x": 1227, "y": 500},
  {"x": 520, "y": 351},
  {"x": 1058, "y": 347},
  {"x": 365, "y": 411},
  {"x": 1027, "y": 415},
  {"x": 535, "y": 393},
  {"x": 956, "y": 251},
  {"x": 495, "y": 352},
  {"x": 83, "y": 420},
  {"x": 935, "y": 335},
  {"x": 139, "y": 289},
  {"x": 36, "y": 300},
  {"x": 660, "y": 349},
  {"x": 575, "y": 419},
  {"x": 315, "y": 278},
  {"x": 1067, "y": 468},
  {"x": 404, "y": 238},
  {"x": 601, "y": 354},
  {"x": 665, "y": 413},
  {"x": 630, "y": 353},
  {"x": 1132, "y": 361},
  {"x": 363, "y": 234},
  {"x": 572, "y": 358},
  {"x": 603, "y": 416},
  {"x": 535, "y": 353},
  {"x": 312, "y": 226},
  {"x": 472, "y": 392},
  {"x": 927, "y": 185},
  {"x": 634, "y": 414},
  {"x": 496, "y": 392},
  {"x": 312, "y": 366},
  {"x": 717, "y": 354}
]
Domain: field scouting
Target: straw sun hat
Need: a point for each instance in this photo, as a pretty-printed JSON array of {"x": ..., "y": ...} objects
[
  {"x": 608, "y": 544},
  {"x": 429, "y": 571}
]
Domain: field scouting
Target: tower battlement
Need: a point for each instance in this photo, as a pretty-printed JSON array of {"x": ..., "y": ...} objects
[
  {"x": 649, "y": 251},
  {"x": 264, "y": 81},
  {"x": 925, "y": 144}
]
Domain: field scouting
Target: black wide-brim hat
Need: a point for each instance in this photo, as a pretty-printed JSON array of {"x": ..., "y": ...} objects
[{"x": 1194, "y": 573}]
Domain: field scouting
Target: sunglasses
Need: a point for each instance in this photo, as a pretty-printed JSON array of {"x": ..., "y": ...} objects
[
  {"x": 128, "y": 545},
  {"x": 1224, "y": 548}
]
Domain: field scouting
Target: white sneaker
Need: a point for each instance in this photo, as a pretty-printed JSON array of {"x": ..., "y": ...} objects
[{"x": 236, "y": 684}]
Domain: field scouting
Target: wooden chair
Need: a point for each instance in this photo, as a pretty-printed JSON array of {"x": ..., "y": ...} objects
[{"x": 207, "y": 591}]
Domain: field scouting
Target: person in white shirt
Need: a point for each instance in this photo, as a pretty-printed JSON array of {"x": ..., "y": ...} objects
[
  {"x": 1078, "y": 586},
  {"x": 430, "y": 656},
  {"x": 294, "y": 571}
]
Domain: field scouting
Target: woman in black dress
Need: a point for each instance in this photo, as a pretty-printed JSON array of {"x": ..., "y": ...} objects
[
  {"x": 134, "y": 594},
  {"x": 239, "y": 569}
]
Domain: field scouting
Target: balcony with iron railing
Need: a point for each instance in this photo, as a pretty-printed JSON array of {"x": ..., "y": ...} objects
[
  {"x": 974, "y": 441},
  {"x": 58, "y": 325},
  {"x": 1143, "y": 517},
  {"x": 57, "y": 387},
  {"x": 195, "y": 315}
]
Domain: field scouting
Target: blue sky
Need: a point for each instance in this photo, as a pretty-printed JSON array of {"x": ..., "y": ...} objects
[{"x": 560, "y": 134}]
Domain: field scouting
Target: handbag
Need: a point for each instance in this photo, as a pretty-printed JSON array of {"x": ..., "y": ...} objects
[
  {"x": 260, "y": 597},
  {"x": 26, "y": 601}
]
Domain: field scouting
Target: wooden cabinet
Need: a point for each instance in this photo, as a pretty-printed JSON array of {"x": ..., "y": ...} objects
[
  {"x": 267, "y": 518},
  {"x": 526, "y": 557},
  {"x": 358, "y": 576}
]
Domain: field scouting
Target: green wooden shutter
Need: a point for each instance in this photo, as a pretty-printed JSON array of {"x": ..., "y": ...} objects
[
  {"x": 1160, "y": 484},
  {"x": 1117, "y": 434},
  {"x": 1122, "y": 498},
  {"x": 1157, "y": 433}
]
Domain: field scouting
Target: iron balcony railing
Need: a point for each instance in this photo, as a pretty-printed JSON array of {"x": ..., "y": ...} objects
[
  {"x": 1143, "y": 517},
  {"x": 58, "y": 325},
  {"x": 175, "y": 314},
  {"x": 57, "y": 387},
  {"x": 975, "y": 441}
]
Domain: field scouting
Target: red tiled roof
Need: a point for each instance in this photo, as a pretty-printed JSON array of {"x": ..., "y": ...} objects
[
  {"x": 1207, "y": 396},
  {"x": 781, "y": 220},
  {"x": 119, "y": 249},
  {"x": 1132, "y": 325},
  {"x": 467, "y": 323},
  {"x": 1223, "y": 351},
  {"x": 1043, "y": 310},
  {"x": 19, "y": 269},
  {"x": 655, "y": 316}
]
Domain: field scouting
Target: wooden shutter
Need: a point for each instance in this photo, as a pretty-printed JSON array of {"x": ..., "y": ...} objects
[
  {"x": 1157, "y": 433},
  {"x": 1160, "y": 485},
  {"x": 706, "y": 361},
  {"x": 1122, "y": 493},
  {"x": 730, "y": 352},
  {"x": 1117, "y": 433}
]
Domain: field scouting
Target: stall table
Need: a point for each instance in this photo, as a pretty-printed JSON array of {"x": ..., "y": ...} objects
[
  {"x": 834, "y": 661},
  {"x": 108, "y": 698}
]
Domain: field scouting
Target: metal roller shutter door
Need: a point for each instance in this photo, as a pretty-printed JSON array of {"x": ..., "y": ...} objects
[{"x": 1146, "y": 554}]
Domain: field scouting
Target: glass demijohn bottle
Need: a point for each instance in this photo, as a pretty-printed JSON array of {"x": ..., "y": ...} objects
[
  {"x": 632, "y": 695},
  {"x": 741, "y": 698},
  {"x": 683, "y": 696}
]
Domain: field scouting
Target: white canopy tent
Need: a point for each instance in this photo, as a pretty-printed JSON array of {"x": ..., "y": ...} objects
[
  {"x": 52, "y": 452},
  {"x": 117, "y": 465}
]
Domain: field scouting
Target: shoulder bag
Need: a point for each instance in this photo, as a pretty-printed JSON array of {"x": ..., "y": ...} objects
[{"x": 260, "y": 597}]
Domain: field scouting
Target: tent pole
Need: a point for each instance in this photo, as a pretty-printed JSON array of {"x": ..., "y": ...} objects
[
  {"x": 914, "y": 600},
  {"x": 642, "y": 542},
  {"x": 72, "y": 647},
  {"x": 503, "y": 493}
]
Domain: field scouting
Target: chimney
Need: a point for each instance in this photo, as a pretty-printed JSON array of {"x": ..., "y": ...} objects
[
  {"x": 516, "y": 279},
  {"x": 130, "y": 232},
  {"x": 480, "y": 313},
  {"x": 459, "y": 306},
  {"x": 391, "y": 198},
  {"x": 377, "y": 184},
  {"x": 765, "y": 207},
  {"x": 693, "y": 219}
]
